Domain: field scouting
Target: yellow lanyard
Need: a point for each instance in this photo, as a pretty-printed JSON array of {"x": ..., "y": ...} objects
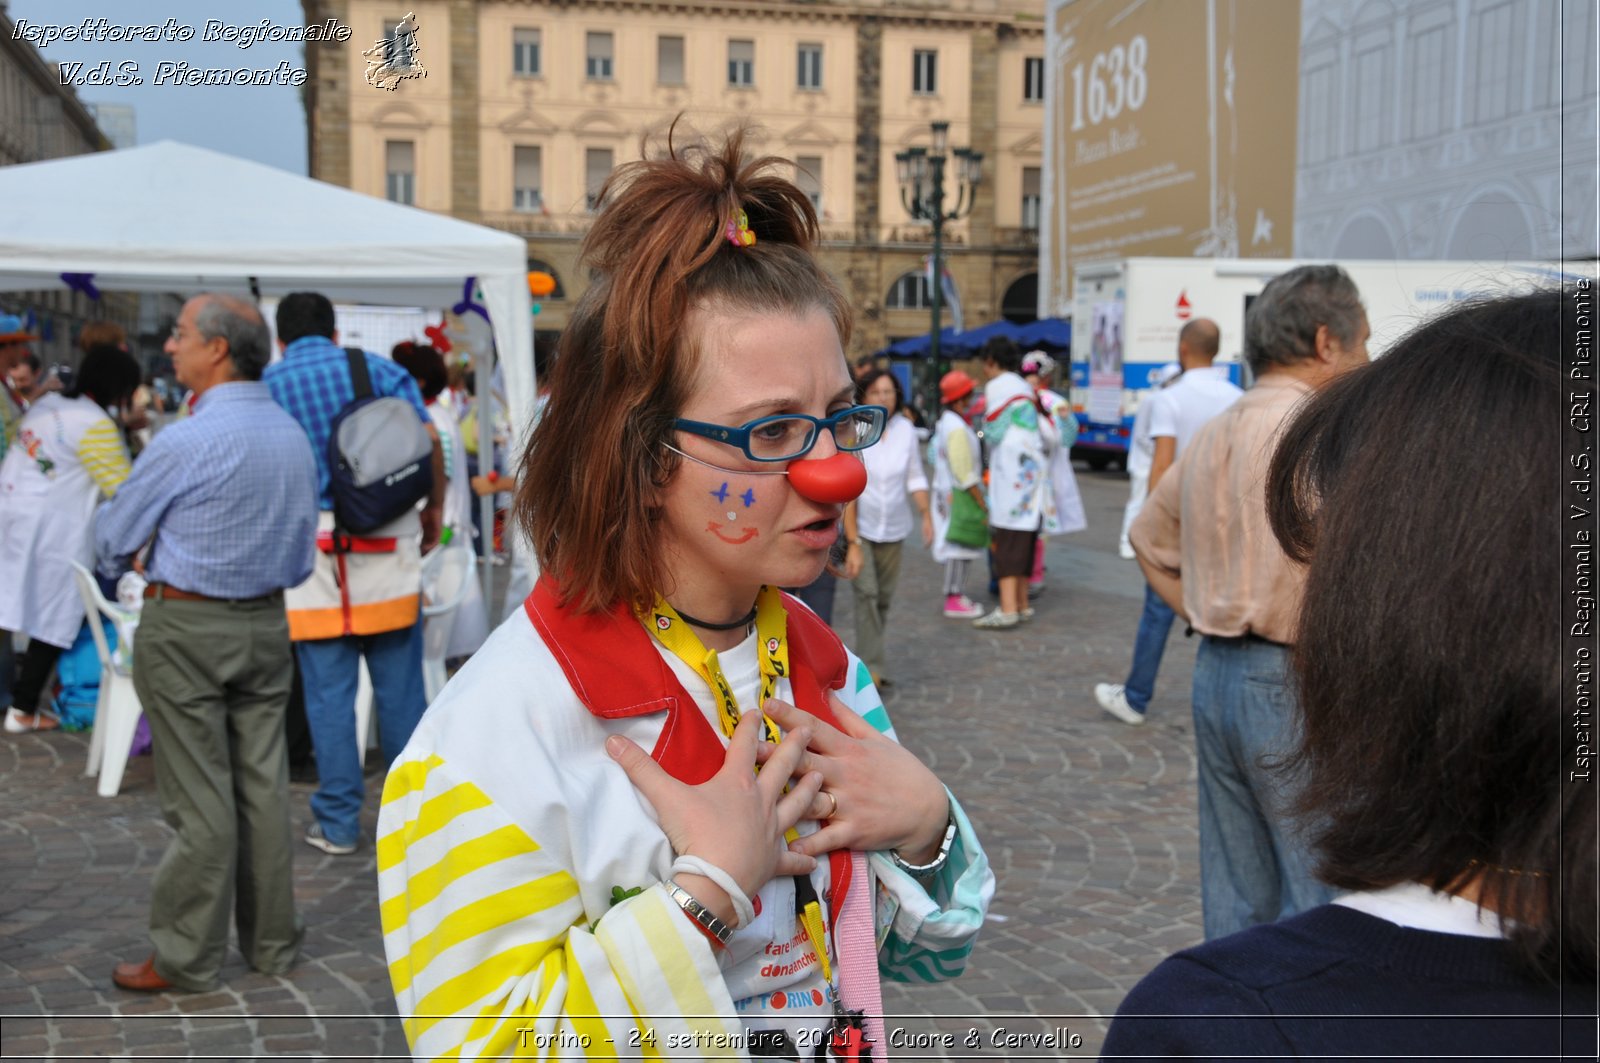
[
  {"x": 771, "y": 623},
  {"x": 772, "y": 635}
]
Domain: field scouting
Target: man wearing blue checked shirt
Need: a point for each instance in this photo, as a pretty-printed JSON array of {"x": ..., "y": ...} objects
[
  {"x": 226, "y": 501},
  {"x": 363, "y": 599}
]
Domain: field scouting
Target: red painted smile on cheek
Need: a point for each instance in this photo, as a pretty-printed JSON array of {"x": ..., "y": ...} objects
[{"x": 743, "y": 537}]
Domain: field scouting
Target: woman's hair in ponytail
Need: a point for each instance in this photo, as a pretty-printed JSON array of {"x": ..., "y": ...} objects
[{"x": 659, "y": 250}]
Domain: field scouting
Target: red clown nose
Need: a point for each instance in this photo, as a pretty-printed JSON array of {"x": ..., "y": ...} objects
[{"x": 840, "y": 478}]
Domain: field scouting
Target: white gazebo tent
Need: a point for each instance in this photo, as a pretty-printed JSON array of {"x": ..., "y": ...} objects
[{"x": 171, "y": 217}]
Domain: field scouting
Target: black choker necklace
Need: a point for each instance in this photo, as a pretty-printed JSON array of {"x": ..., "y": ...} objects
[{"x": 744, "y": 621}]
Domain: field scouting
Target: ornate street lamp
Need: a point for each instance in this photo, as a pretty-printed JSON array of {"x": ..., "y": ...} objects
[{"x": 920, "y": 172}]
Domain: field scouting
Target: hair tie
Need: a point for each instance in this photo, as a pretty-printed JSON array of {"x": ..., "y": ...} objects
[{"x": 738, "y": 231}]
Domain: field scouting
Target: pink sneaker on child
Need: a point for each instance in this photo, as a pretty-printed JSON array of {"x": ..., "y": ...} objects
[{"x": 960, "y": 607}]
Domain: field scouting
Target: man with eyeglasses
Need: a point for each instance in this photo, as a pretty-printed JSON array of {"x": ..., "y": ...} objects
[{"x": 224, "y": 505}]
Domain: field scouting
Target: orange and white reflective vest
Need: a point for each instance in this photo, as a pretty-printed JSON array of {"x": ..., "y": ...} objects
[{"x": 361, "y": 585}]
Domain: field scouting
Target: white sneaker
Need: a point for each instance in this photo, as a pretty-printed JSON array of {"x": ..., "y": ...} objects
[
  {"x": 998, "y": 619},
  {"x": 19, "y": 722},
  {"x": 1125, "y": 552},
  {"x": 1114, "y": 700},
  {"x": 1027, "y": 613}
]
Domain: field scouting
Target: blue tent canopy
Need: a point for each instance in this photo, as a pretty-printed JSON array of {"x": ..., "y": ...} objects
[
  {"x": 972, "y": 341},
  {"x": 917, "y": 346},
  {"x": 1051, "y": 334}
]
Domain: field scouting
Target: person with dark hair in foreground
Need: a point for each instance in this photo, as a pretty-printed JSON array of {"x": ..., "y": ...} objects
[
  {"x": 576, "y": 842},
  {"x": 1428, "y": 661}
]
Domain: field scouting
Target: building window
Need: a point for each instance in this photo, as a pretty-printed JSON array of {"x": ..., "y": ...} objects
[
  {"x": 742, "y": 63},
  {"x": 1318, "y": 110},
  {"x": 810, "y": 59},
  {"x": 1030, "y": 197},
  {"x": 597, "y": 56},
  {"x": 1497, "y": 77},
  {"x": 400, "y": 171},
  {"x": 669, "y": 60},
  {"x": 1033, "y": 79},
  {"x": 527, "y": 187},
  {"x": 525, "y": 53},
  {"x": 1373, "y": 100},
  {"x": 808, "y": 178},
  {"x": 596, "y": 168},
  {"x": 910, "y": 292},
  {"x": 1577, "y": 71},
  {"x": 924, "y": 71},
  {"x": 1428, "y": 97}
]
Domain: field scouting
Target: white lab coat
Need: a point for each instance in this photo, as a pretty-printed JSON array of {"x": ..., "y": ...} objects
[
  {"x": 47, "y": 504},
  {"x": 948, "y": 427}
]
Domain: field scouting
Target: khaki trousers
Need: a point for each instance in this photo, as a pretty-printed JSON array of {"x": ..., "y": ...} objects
[
  {"x": 880, "y": 571},
  {"x": 214, "y": 679}
]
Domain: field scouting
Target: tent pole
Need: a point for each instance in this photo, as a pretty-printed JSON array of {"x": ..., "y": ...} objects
[{"x": 483, "y": 376}]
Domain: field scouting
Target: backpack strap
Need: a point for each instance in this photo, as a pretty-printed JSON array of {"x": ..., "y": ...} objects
[
  {"x": 358, "y": 372},
  {"x": 361, "y": 381}
]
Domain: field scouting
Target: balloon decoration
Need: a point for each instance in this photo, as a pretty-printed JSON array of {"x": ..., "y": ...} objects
[
  {"x": 81, "y": 282},
  {"x": 469, "y": 303},
  {"x": 540, "y": 284},
  {"x": 436, "y": 336}
]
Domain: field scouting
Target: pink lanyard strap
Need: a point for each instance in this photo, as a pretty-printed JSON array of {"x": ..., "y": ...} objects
[{"x": 855, "y": 943}]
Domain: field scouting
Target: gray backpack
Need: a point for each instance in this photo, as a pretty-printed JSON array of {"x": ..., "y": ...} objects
[{"x": 380, "y": 456}]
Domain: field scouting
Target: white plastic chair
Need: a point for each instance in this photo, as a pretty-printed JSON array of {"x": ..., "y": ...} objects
[
  {"x": 117, "y": 712},
  {"x": 447, "y": 575}
]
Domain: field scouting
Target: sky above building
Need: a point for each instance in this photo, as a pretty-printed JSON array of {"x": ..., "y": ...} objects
[{"x": 265, "y": 123}]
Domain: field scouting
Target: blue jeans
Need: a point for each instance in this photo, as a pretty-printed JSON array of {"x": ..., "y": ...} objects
[
  {"x": 328, "y": 670},
  {"x": 1255, "y": 863},
  {"x": 1155, "y": 624}
]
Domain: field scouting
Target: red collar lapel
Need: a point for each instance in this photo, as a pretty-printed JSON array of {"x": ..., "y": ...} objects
[{"x": 614, "y": 668}]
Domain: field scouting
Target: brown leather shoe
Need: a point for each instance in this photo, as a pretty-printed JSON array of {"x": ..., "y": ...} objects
[{"x": 140, "y": 977}]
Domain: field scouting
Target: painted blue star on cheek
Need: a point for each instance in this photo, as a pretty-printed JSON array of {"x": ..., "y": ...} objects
[
  {"x": 720, "y": 494},
  {"x": 749, "y": 498}
]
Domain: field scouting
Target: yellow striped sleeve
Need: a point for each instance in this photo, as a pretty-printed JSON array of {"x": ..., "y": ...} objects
[
  {"x": 490, "y": 949},
  {"x": 963, "y": 463},
  {"x": 104, "y": 456}
]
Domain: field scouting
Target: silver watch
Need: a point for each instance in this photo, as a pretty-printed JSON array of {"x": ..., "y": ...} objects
[{"x": 932, "y": 866}]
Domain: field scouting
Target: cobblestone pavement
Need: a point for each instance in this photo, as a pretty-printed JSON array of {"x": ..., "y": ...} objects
[{"x": 1089, "y": 823}]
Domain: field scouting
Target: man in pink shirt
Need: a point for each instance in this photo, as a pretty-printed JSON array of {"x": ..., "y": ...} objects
[
  {"x": 1206, "y": 548},
  {"x": 1175, "y": 415}
]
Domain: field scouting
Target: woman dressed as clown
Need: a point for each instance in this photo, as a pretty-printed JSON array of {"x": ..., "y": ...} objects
[{"x": 662, "y": 811}]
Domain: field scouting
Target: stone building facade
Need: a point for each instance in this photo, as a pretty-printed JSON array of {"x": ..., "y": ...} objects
[
  {"x": 527, "y": 104},
  {"x": 1447, "y": 129},
  {"x": 40, "y": 118}
]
